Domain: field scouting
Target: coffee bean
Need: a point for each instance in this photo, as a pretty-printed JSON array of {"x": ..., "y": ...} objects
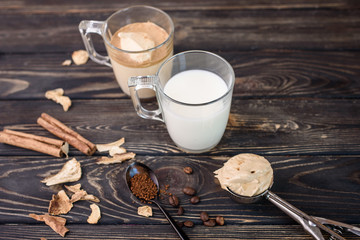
[
  {"x": 220, "y": 220},
  {"x": 180, "y": 211},
  {"x": 188, "y": 224},
  {"x": 174, "y": 200},
  {"x": 210, "y": 223},
  {"x": 194, "y": 199},
  {"x": 188, "y": 170},
  {"x": 204, "y": 216},
  {"x": 180, "y": 224},
  {"x": 189, "y": 191}
]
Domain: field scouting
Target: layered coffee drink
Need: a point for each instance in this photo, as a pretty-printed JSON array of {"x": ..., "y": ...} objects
[{"x": 138, "y": 49}]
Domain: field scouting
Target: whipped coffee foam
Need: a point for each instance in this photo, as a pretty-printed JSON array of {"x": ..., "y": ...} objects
[
  {"x": 136, "y": 41},
  {"x": 139, "y": 38},
  {"x": 246, "y": 174}
]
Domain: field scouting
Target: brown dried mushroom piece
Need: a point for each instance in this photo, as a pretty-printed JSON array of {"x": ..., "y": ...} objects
[
  {"x": 80, "y": 57},
  {"x": 60, "y": 204},
  {"x": 108, "y": 146},
  {"x": 116, "y": 150},
  {"x": 80, "y": 194},
  {"x": 90, "y": 197},
  {"x": 95, "y": 214},
  {"x": 145, "y": 211},
  {"x": 56, "y": 223},
  {"x": 73, "y": 188},
  {"x": 117, "y": 158},
  {"x": 57, "y": 95},
  {"x": 66, "y": 62},
  {"x": 70, "y": 172}
]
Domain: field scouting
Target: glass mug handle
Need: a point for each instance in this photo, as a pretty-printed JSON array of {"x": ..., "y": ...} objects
[
  {"x": 87, "y": 27},
  {"x": 142, "y": 82}
]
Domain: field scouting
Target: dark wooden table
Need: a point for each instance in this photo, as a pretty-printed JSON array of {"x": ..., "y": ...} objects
[{"x": 296, "y": 102}]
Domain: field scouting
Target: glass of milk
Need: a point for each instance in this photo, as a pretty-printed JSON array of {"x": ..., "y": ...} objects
[{"x": 194, "y": 91}]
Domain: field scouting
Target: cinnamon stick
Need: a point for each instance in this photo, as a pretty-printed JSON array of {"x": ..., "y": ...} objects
[
  {"x": 33, "y": 142},
  {"x": 52, "y": 141},
  {"x": 62, "y": 131}
]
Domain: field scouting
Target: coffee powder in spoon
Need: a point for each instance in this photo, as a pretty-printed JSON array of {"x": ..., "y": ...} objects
[{"x": 143, "y": 187}]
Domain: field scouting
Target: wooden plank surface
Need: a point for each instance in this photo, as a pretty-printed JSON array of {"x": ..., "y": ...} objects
[
  {"x": 299, "y": 180},
  {"x": 160, "y": 232},
  {"x": 266, "y": 126},
  {"x": 296, "y": 102},
  {"x": 267, "y": 73},
  {"x": 234, "y": 25}
]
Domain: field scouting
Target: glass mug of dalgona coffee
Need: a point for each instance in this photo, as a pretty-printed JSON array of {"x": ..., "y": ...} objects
[{"x": 138, "y": 40}]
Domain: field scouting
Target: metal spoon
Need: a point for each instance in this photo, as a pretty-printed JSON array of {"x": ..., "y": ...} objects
[
  {"x": 310, "y": 224},
  {"x": 138, "y": 168}
]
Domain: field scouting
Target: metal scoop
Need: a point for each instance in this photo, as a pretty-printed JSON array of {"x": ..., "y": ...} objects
[
  {"x": 310, "y": 224},
  {"x": 138, "y": 168}
]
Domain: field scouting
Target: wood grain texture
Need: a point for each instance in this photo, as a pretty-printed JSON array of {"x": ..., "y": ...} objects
[
  {"x": 296, "y": 102},
  {"x": 158, "y": 232},
  {"x": 246, "y": 25},
  {"x": 310, "y": 183},
  {"x": 264, "y": 126},
  {"x": 258, "y": 74}
]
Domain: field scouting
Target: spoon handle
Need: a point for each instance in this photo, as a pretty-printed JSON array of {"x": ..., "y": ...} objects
[{"x": 176, "y": 227}]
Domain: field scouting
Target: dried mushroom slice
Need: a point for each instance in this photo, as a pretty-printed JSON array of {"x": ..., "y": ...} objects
[
  {"x": 57, "y": 95},
  {"x": 117, "y": 158},
  {"x": 145, "y": 211},
  {"x": 116, "y": 150},
  {"x": 80, "y": 57},
  {"x": 56, "y": 223},
  {"x": 108, "y": 146},
  {"x": 60, "y": 204},
  {"x": 65, "y": 149},
  {"x": 95, "y": 214},
  {"x": 90, "y": 197},
  {"x": 79, "y": 194},
  {"x": 70, "y": 172},
  {"x": 66, "y": 62},
  {"x": 74, "y": 188}
]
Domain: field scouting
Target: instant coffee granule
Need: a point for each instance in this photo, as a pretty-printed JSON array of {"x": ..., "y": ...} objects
[{"x": 143, "y": 187}]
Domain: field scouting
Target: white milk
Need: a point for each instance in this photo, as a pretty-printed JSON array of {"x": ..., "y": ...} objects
[{"x": 196, "y": 127}]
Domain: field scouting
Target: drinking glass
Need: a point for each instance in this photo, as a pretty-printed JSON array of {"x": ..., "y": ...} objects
[
  {"x": 117, "y": 57},
  {"x": 194, "y": 128}
]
